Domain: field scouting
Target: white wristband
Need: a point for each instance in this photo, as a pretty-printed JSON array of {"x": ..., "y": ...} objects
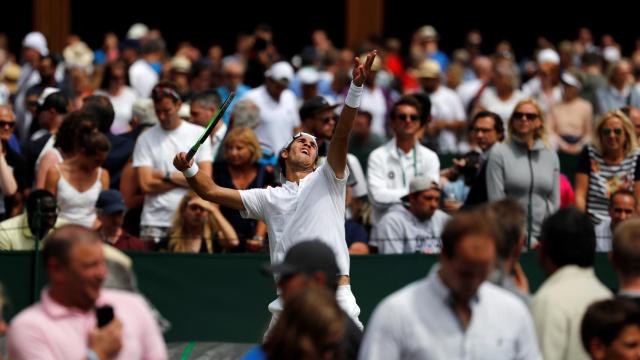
[
  {"x": 192, "y": 171},
  {"x": 353, "y": 96}
]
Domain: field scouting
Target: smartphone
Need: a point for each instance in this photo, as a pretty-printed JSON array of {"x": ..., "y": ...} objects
[{"x": 104, "y": 315}]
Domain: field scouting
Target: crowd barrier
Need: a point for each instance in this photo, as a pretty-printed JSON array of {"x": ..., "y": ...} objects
[{"x": 224, "y": 297}]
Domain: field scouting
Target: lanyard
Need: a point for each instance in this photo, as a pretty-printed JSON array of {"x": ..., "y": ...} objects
[{"x": 415, "y": 166}]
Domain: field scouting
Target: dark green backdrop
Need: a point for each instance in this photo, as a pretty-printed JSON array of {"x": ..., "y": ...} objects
[{"x": 224, "y": 297}]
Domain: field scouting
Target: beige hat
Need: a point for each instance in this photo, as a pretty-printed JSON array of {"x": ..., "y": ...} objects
[
  {"x": 427, "y": 32},
  {"x": 180, "y": 64},
  {"x": 429, "y": 69},
  {"x": 78, "y": 55},
  {"x": 10, "y": 76},
  {"x": 377, "y": 63}
]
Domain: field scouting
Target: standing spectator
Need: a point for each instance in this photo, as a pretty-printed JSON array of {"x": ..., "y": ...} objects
[
  {"x": 471, "y": 90},
  {"x": 122, "y": 97},
  {"x": 567, "y": 253},
  {"x": 502, "y": 97},
  {"x": 510, "y": 219},
  {"x": 63, "y": 324},
  {"x": 152, "y": 156},
  {"x": 620, "y": 91},
  {"x": 448, "y": 116},
  {"x": 486, "y": 129},
  {"x": 392, "y": 166},
  {"x": 610, "y": 330},
  {"x": 203, "y": 108},
  {"x": 110, "y": 209},
  {"x": 199, "y": 227},
  {"x": 570, "y": 121},
  {"x": 611, "y": 162},
  {"x": 454, "y": 313},
  {"x": 34, "y": 47},
  {"x": 77, "y": 182},
  {"x": 100, "y": 109},
  {"x": 363, "y": 142},
  {"x": 414, "y": 227},
  {"x": 545, "y": 86},
  {"x": 144, "y": 73},
  {"x": 623, "y": 206},
  {"x": 13, "y": 168},
  {"x": 425, "y": 46},
  {"x": 232, "y": 80},
  {"x": 376, "y": 100},
  {"x": 625, "y": 257},
  {"x": 525, "y": 169},
  {"x": 240, "y": 170},
  {"x": 278, "y": 110}
]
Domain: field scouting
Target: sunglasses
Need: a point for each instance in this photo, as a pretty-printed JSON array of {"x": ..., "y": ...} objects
[
  {"x": 404, "y": 117},
  {"x": 7, "y": 123},
  {"x": 328, "y": 119},
  {"x": 521, "y": 115},
  {"x": 607, "y": 131}
]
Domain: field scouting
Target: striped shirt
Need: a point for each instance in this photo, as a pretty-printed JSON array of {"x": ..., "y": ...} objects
[{"x": 605, "y": 179}]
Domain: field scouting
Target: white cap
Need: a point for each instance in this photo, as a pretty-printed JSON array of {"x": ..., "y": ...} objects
[
  {"x": 78, "y": 55},
  {"x": 137, "y": 31},
  {"x": 571, "y": 80},
  {"x": 611, "y": 54},
  {"x": 185, "y": 111},
  {"x": 35, "y": 40},
  {"x": 143, "y": 108},
  {"x": 45, "y": 93},
  {"x": 308, "y": 76},
  {"x": 548, "y": 56},
  {"x": 280, "y": 71}
]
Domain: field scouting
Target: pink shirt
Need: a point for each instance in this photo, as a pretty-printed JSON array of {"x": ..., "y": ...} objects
[{"x": 48, "y": 330}]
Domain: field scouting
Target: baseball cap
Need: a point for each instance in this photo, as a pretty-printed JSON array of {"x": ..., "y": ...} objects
[
  {"x": 421, "y": 183},
  {"x": 35, "y": 40},
  {"x": 308, "y": 76},
  {"x": 571, "y": 80},
  {"x": 315, "y": 105},
  {"x": 281, "y": 72},
  {"x": 427, "y": 32},
  {"x": 548, "y": 56},
  {"x": 110, "y": 202},
  {"x": 306, "y": 257}
]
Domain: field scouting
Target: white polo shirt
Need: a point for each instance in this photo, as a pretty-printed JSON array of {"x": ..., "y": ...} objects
[
  {"x": 400, "y": 232},
  {"x": 312, "y": 209},
  {"x": 278, "y": 119},
  {"x": 156, "y": 148},
  {"x": 418, "y": 322},
  {"x": 142, "y": 78}
]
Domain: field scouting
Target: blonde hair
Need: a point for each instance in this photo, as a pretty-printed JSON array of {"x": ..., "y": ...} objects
[
  {"x": 540, "y": 132},
  {"x": 631, "y": 142},
  {"x": 176, "y": 234},
  {"x": 247, "y": 136}
]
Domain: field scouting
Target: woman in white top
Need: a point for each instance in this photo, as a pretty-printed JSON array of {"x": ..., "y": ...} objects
[
  {"x": 114, "y": 86},
  {"x": 503, "y": 94},
  {"x": 77, "y": 182}
]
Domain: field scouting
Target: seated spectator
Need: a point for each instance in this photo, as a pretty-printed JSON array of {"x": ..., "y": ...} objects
[
  {"x": 510, "y": 219},
  {"x": 63, "y": 324},
  {"x": 310, "y": 327},
  {"x": 620, "y": 91},
  {"x": 20, "y": 232},
  {"x": 625, "y": 259},
  {"x": 611, "y": 162},
  {"x": 454, "y": 313},
  {"x": 567, "y": 253},
  {"x": 77, "y": 182},
  {"x": 621, "y": 207},
  {"x": 362, "y": 141},
  {"x": 110, "y": 209},
  {"x": 501, "y": 98},
  {"x": 203, "y": 108},
  {"x": 240, "y": 170},
  {"x": 199, "y": 227},
  {"x": 122, "y": 97},
  {"x": 414, "y": 226},
  {"x": 610, "y": 330},
  {"x": 458, "y": 179}
]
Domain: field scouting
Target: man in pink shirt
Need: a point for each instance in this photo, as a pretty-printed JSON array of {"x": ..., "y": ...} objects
[{"x": 63, "y": 324}]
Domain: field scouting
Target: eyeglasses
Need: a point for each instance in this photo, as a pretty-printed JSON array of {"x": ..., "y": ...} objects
[
  {"x": 161, "y": 91},
  {"x": 521, "y": 115},
  {"x": 196, "y": 207},
  {"x": 7, "y": 123},
  {"x": 607, "y": 131},
  {"x": 328, "y": 119},
  {"x": 404, "y": 117}
]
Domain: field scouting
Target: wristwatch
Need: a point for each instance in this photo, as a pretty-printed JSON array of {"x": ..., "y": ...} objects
[{"x": 167, "y": 176}]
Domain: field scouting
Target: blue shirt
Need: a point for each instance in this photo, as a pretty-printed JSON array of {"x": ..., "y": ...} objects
[{"x": 224, "y": 93}]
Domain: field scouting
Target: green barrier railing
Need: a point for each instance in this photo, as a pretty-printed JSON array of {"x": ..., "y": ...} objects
[{"x": 224, "y": 297}]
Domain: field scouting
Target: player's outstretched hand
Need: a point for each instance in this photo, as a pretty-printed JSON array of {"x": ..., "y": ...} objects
[{"x": 180, "y": 161}]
